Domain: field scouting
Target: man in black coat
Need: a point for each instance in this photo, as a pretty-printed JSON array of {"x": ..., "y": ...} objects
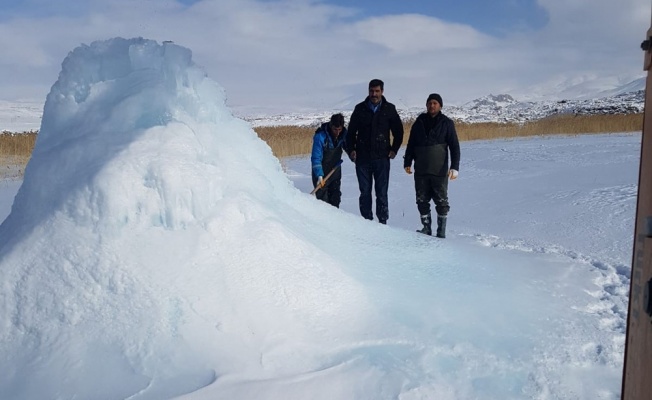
[
  {"x": 432, "y": 137},
  {"x": 371, "y": 148}
]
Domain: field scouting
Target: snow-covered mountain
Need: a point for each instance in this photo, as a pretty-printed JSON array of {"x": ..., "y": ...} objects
[
  {"x": 624, "y": 99},
  {"x": 504, "y": 108},
  {"x": 579, "y": 87},
  {"x": 633, "y": 86},
  {"x": 577, "y": 95},
  {"x": 490, "y": 108}
]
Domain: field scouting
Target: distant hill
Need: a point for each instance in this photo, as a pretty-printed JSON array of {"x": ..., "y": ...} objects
[
  {"x": 490, "y": 108},
  {"x": 585, "y": 97},
  {"x": 579, "y": 88},
  {"x": 504, "y": 108},
  {"x": 633, "y": 86}
]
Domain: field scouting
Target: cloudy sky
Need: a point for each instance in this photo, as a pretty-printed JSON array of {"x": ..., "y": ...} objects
[{"x": 294, "y": 55}]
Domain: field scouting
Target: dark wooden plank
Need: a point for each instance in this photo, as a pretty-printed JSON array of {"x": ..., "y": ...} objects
[{"x": 637, "y": 372}]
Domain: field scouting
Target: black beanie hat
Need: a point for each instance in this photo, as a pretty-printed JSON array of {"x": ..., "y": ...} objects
[
  {"x": 437, "y": 97},
  {"x": 337, "y": 120}
]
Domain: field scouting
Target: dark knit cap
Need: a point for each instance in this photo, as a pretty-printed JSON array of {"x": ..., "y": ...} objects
[
  {"x": 337, "y": 120},
  {"x": 437, "y": 97}
]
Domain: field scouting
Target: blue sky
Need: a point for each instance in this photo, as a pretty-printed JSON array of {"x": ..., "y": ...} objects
[
  {"x": 496, "y": 17},
  {"x": 289, "y": 55}
]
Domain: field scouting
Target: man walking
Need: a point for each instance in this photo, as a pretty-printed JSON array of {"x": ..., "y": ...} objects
[
  {"x": 371, "y": 148},
  {"x": 432, "y": 137},
  {"x": 327, "y": 146}
]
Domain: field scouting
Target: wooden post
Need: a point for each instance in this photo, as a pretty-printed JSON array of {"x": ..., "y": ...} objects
[{"x": 637, "y": 370}]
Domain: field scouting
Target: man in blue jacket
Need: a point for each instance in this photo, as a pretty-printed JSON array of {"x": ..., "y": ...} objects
[
  {"x": 432, "y": 137},
  {"x": 370, "y": 146},
  {"x": 327, "y": 146}
]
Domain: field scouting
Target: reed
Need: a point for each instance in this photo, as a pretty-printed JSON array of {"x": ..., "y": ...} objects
[
  {"x": 288, "y": 141},
  {"x": 554, "y": 125},
  {"x": 17, "y": 144}
]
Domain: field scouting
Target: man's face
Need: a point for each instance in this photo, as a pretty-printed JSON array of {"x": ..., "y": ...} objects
[
  {"x": 336, "y": 130},
  {"x": 375, "y": 94},
  {"x": 433, "y": 107}
]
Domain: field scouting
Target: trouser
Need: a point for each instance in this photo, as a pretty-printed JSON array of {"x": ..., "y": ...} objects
[
  {"x": 435, "y": 188},
  {"x": 331, "y": 193},
  {"x": 373, "y": 173}
]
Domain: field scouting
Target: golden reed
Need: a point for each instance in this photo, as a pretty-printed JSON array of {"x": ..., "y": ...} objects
[
  {"x": 293, "y": 141},
  {"x": 288, "y": 141}
]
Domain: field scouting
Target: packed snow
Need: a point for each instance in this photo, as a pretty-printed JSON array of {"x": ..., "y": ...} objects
[
  {"x": 156, "y": 249},
  {"x": 20, "y": 116}
]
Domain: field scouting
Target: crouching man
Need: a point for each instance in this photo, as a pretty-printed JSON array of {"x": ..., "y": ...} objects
[
  {"x": 432, "y": 138},
  {"x": 327, "y": 146}
]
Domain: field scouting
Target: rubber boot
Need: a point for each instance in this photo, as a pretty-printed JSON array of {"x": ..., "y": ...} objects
[
  {"x": 426, "y": 220},
  {"x": 441, "y": 226}
]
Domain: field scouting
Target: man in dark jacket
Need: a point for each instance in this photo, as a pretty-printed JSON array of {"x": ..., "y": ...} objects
[
  {"x": 432, "y": 137},
  {"x": 370, "y": 146},
  {"x": 327, "y": 146}
]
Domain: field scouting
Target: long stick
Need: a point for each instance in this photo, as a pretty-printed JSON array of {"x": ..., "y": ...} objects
[{"x": 327, "y": 176}]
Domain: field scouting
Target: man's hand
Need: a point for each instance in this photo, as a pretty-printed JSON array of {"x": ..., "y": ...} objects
[
  {"x": 408, "y": 170},
  {"x": 392, "y": 154},
  {"x": 452, "y": 174},
  {"x": 320, "y": 182},
  {"x": 352, "y": 155}
]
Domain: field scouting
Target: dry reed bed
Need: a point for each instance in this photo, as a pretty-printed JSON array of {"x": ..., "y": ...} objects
[
  {"x": 17, "y": 144},
  {"x": 292, "y": 140}
]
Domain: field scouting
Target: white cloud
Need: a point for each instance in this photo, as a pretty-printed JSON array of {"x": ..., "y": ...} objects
[
  {"x": 597, "y": 18},
  {"x": 411, "y": 34},
  {"x": 288, "y": 55}
]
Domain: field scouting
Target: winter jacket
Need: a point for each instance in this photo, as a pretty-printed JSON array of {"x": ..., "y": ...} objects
[
  {"x": 369, "y": 132},
  {"x": 431, "y": 138},
  {"x": 327, "y": 152}
]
